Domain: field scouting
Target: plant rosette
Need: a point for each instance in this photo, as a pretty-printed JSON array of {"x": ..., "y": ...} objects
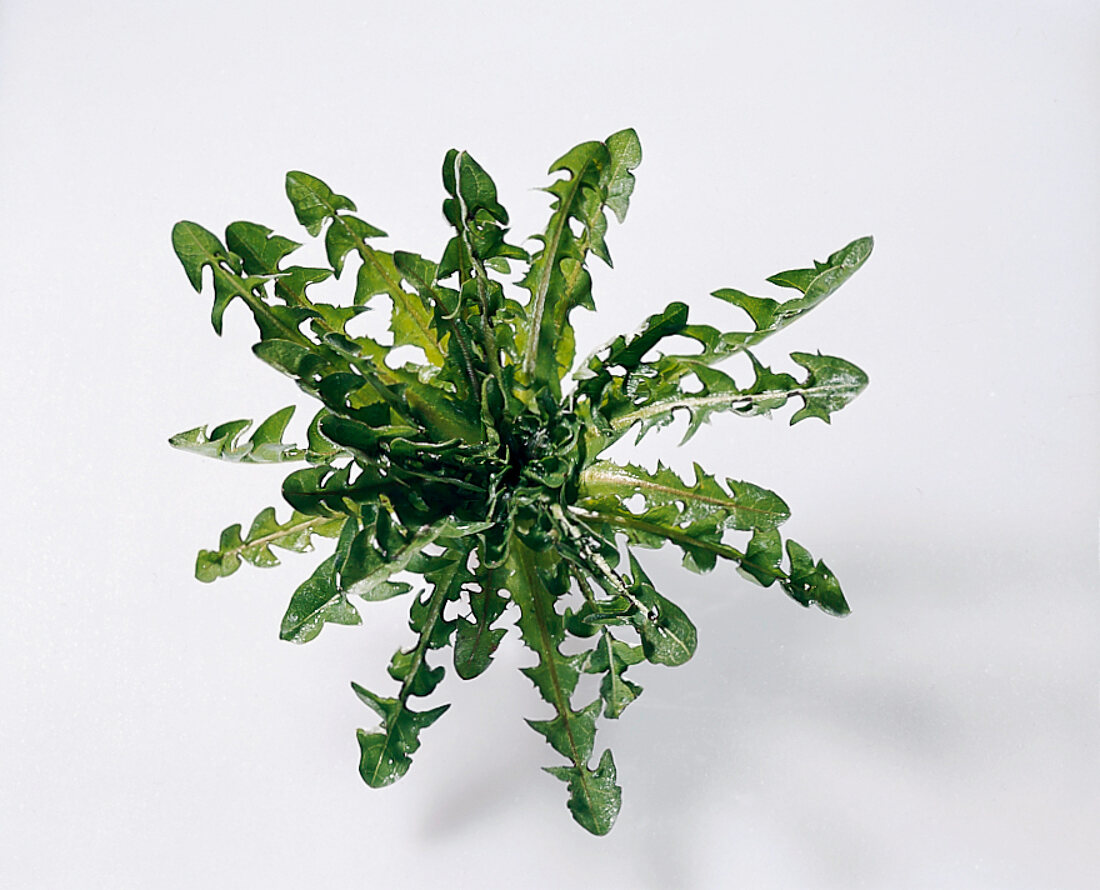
[{"x": 478, "y": 470}]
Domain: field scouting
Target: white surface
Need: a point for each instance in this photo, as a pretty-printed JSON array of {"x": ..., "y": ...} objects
[{"x": 156, "y": 733}]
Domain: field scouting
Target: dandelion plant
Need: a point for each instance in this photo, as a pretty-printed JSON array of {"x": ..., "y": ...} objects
[{"x": 474, "y": 481}]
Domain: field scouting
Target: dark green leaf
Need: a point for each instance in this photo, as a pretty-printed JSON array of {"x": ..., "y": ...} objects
[
  {"x": 313, "y": 201},
  {"x": 668, "y": 636},
  {"x": 386, "y": 753},
  {"x": 813, "y": 583},
  {"x": 611, "y": 658},
  {"x": 318, "y": 601},
  {"x": 594, "y": 796},
  {"x": 476, "y": 640}
]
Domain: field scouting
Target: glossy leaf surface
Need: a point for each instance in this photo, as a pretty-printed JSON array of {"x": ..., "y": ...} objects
[{"x": 471, "y": 479}]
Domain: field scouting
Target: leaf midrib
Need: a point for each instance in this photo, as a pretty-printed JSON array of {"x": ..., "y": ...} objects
[
  {"x": 624, "y": 421},
  {"x": 622, "y": 474},
  {"x": 561, "y": 219},
  {"x": 534, "y": 587}
]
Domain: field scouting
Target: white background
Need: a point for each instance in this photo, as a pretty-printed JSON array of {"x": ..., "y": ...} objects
[{"x": 155, "y": 733}]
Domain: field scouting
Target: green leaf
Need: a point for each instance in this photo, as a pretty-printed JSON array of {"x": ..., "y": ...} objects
[
  {"x": 344, "y": 237},
  {"x": 223, "y": 442},
  {"x": 313, "y": 201},
  {"x": 668, "y": 636},
  {"x": 594, "y": 796},
  {"x": 265, "y": 532},
  {"x": 196, "y": 248},
  {"x": 816, "y": 284},
  {"x": 534, "y": 582},
  {"x": 763, "y": 558},
  {"x": 656, "y": 394},
  {"x": 571, "y": 733},
  {"x": 625, "y": 151},
  {"x": 370, "y": 564},
  {"x": 745, "y": 506},
  {"x": 831, "y": 384},
  {"x": 611, "y": 658},
  {"x": 385, "y": 755},
  {"x": 598, "y": 175},
  {"x": 476, "y": 640},
  {"x": 813, "y": 583},
  {"x": 318, "y": 601},
  {"x": 260, "y": 250}
]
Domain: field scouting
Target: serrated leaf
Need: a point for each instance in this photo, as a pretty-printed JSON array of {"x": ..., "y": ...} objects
[
  {"x": 831, "y": 384},
  {"x": 763, "y": 557},
  {"x": 668, "y": 636},
  {"x": 313, "y": 200},
  {"x": 652, "y": 398},
  {"x": 317, "y": 602},
  {"x": 197, "y": 249},
  {"x": 260, "y": 250},
  {"x": 385, "y": 755},
  {"x": 367, "y": 571},
  {"x": 611, "y": 658},
  {"x": 571, "y": 733},
  {"x": 476, "y": 640},
  {"x": 224, "y": 441},
  {"x": 344, "y": 236},
  {"x": 625, "y": 150},
  {"x": 813, "y": 583},
  {"x": 594, "y": 796},
  {"x": 744, "y": 506},
  {"x": 555, "y": 289},
  {"x": 816, "y": 284},
  {"x": 265, "y": 532}
]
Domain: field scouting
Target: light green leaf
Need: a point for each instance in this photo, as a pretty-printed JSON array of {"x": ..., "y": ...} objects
[
  {"x": 745, "y": 506},
  {"x": 265, "y": 532},
  {"x": 625, "y": 151},
  {"x": 223, "y": 442}
]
